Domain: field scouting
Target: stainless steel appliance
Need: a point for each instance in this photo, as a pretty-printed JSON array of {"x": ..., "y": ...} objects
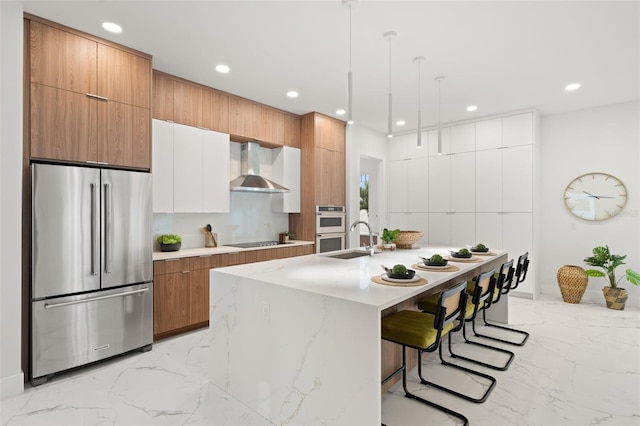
[
  {"x": 331, "y": 228},
  {"x": 255, "y": 244},
  {"x": 91, "y": 266}
]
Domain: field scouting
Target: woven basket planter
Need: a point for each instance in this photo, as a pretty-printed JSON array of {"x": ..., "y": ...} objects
[
  {"x": 573, "y": 282},
  {"x": 615, "y": 297},
  {"x": 406, "y": 239}
]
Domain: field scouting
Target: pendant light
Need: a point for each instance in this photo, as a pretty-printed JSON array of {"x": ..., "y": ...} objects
[
  {"x": 389, "y": 36},
  {"x": 350, "y": 4},
  {"x": 439, "y": 80},
  {"x": 419, "y": 60}
]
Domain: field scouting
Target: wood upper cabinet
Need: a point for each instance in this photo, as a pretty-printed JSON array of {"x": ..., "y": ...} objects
[
  {"x": 330, "y": 177},
  {"x": 215, "y": 110},
  {"x": 90, "y": 101},
  {"x": 329, "y": 133},
  {"x": 245, "y": 118},
  {"x": 162, "y": 105},
  {"x": 251, "y": 120},
  {"x": 187, "y": 99}
]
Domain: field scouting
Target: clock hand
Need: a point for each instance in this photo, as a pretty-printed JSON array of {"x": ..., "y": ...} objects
[{"x": 591, "y": 195}]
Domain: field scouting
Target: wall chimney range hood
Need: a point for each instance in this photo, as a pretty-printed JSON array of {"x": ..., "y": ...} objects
[{"x": 250, "y": 179}]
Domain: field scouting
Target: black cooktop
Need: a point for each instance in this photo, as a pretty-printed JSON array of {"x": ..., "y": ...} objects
[{"x": 254, "y": 244}]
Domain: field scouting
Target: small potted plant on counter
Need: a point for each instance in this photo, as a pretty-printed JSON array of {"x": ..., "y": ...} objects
[
  {"x": 283, "y": 237},
  {"x": 169, "y": 242},
  {"x": 602, "y": 258},
  {"x": 388, "y": 237}
]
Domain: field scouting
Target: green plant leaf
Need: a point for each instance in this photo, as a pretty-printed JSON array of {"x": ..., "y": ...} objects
[
  {"x": 594, "y": 273},
  {"x": 633, "y": 277}
]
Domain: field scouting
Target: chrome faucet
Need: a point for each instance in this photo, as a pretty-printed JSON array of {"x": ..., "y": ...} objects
[{"x": 370, "y": 246}]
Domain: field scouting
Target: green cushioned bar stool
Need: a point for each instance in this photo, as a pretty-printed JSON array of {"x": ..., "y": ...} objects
[{"x": 424, "y": 332}]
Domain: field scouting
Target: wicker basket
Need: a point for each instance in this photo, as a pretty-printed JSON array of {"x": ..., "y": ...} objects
[
  {"x": 406, "y": 239},
  {"x": 573, "y": 282}
]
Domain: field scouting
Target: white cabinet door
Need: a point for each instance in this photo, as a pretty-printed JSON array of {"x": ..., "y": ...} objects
[
  {"x": 489, "y": 180},
  {"x": 418, "y": 184},
  {"x": 518, "y": 239},
  {"x": 463, "y": 138},
  {"x": 215, "y": 172},
  {"x": 188, "y": 167},
  {"x": 398, "y": 186},
  {"x": 463, "y": 229},
  {"x": 286, "y": 171},
  {"x": 411, "y": 145},
  {"x": 418, "y": 222},
  {"x": 440, "y": 183},
  {"x": 489, "y": 134},
  {"x": 399, "y": 147},
  {"x": 517, "y": 179},
  {"x": 517, "y": 130},
  {"x": 463, "y": 182},
  {"x": 433, "y": 141},
  {"x": 398, "y": 221},
  {"x": 489, "y": 229},
  {"x": 439, "y": 231},
  {"x": 162, "y": 166}
]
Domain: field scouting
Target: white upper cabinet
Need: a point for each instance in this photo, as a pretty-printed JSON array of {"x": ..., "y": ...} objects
[
  {"x": 489, "y": 180},
  {"x": 440, "y": 183},
  {"x": 517, "y": 179},
  {"x": 517, "y": 130},
  {"x": 463, "y": 138},
  {"x": 399, "y": 147},
  {"x": 215, "y": 172},
  {"x": 190, "y": 169},
  {"x": 286, "y": 172},
  {"x": 489, "y": 134},
  {"x": 463, "y": 182},
  {"x": 398, "y": 186},
  {"x": 433, "y": 141},
  {"x": 162, "y": 166},
  {"x": 418, "y": 184}
]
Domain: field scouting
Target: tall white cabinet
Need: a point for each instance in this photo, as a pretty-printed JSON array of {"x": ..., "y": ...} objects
[{"x": 479, "y": 189}]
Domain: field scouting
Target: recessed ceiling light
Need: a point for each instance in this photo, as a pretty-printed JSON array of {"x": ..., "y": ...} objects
[
  {"x": 292, "y": 94},
  {"x": 222, "y": 69},
  {"x": 400, "y": 123},
  {"x": 111, "y": 27},
  {"x": 389, "y": 136},
  {"x": 571, "y": 87},
  {"x": 472, "y": 108},
  {"x": 340, "y": 112}
]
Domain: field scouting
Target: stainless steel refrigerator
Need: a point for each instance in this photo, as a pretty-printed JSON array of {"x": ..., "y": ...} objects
[{"x": 91, "y": 266}]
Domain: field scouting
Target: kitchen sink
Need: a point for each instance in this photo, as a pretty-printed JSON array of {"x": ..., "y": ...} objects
[{"x": 350, "y": 255}]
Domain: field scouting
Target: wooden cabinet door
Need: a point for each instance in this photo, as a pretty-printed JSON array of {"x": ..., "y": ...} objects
[
  {"x": 215, "y": 111},
  {"x": 162, "y": 105},
  {"x": 187, "y": 99},
  {"x": 170, "y": 302},
  {"x": 124, "y": 77},
  {"x": 124, "y": 135},
  {"x": 63, "y": 60},
  {"x": 330, "y": 177},
  {"x": 291, "y": 131},
  {"x": 245, "y": 118},
  {"x": 329, "y": 133},
  {"x": 63, "y": 125},
  {"x": 199, "y": 296}
]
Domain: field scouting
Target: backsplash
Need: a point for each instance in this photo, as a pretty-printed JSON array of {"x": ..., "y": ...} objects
[{"x": 250, "y": 219}]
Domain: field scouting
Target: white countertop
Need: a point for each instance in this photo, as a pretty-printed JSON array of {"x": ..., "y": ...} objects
[
  {"x": 204, "y": 251},
  {"x": 350, "y": 279}
]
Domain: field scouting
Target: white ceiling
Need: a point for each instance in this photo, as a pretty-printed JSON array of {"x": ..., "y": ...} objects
[{"x": 502, "y": 55}]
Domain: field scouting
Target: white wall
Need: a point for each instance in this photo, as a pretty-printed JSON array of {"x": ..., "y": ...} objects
[
  {"x": 11, "y": 376},
  {"x": 605, "y": 139},
  {"x": 362, "y": 141}
]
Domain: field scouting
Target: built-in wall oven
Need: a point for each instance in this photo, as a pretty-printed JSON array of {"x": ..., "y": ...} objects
[{"x": 331, "y": 228}]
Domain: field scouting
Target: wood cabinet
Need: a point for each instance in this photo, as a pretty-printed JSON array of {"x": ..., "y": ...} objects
[
  {"x": 191, "y": 169},
  {"x": 250, "y": 120},
  {"x": 181, "y": 286},
  {"x": 189, "y": 103},
  {"x": 90, "y": 100},
  {"x": 323, "y": 170}
]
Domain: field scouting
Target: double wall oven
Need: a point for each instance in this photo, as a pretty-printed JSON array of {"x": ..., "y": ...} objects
[{"x": 331, "y": 228}]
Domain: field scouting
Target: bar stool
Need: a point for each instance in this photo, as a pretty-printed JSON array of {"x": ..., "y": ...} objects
[
  {"x": 521, "y": 270},
  {"x": 504, "y": 282},
  {"x": 423, "y": 332},
  {"x": 482, "y": 295}
]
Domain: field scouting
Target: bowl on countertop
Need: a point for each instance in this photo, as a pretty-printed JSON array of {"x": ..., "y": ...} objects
[
  {"x": 484, "y": 250},
  {"x": 460, "y": 256},
  {"x": 410, "y": 274},
  {"x": 170, "y": 247}
]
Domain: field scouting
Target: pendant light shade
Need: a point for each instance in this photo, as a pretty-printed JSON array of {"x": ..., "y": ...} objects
[
  {"x": 419, "y": 60},
  {"x": 439, "y": 80},
  {"x": 390, "y": 36},
  {"x": 350, "y": 4}
]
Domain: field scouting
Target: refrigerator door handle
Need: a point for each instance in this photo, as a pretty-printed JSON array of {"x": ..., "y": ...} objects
[
  {"x": 94, "y": 231},
  {"x": 93, "y": 299},
  {"x": 108, "y": 226}
]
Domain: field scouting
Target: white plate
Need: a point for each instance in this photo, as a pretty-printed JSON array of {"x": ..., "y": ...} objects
[{"x": 415, "y": 278}]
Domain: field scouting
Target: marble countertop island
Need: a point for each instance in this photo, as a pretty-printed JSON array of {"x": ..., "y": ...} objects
[{"x": 298, "y": 339}]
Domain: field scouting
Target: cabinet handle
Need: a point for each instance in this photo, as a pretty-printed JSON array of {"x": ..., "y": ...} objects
[
  {"x": 185, "y": 272},
  {"x": 202, "y": 128},
  {"x": 171, "y": 260},
  {"x": 100, "y": 98}
]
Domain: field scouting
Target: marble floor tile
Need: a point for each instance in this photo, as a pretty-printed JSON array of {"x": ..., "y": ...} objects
[{"x": 581, "y": 366}]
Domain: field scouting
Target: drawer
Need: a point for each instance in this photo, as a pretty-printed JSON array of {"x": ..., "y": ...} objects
[
  {"x": 205, "y": 262},
  {"x": 170, "y": 266}
]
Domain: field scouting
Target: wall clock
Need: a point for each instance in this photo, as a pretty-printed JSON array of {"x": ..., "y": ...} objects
[{"x": 595, "y": 196}]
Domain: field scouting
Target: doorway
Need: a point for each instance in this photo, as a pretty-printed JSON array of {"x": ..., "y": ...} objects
[{"x": 370, "y": 196}]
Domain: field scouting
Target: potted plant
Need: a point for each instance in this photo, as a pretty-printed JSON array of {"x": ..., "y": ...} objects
[
  {"x": 169, "y": 242},
  {"x": 602, "y": 258},
  {"x": 388, "y": 237},
  {"x": 283, "y": 237}
]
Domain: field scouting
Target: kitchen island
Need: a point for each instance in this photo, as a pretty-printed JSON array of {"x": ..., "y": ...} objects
[{"x": 298, "y": 339}]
